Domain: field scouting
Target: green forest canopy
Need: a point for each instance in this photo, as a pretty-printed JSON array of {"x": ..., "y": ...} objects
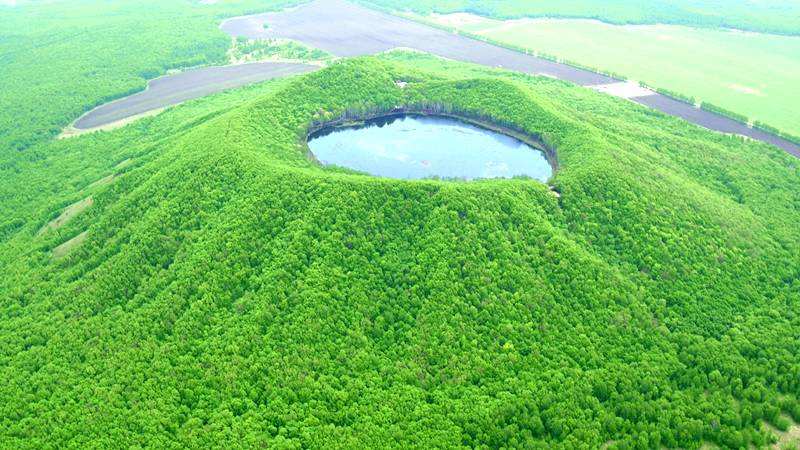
[{"x": 229, "y": 290}]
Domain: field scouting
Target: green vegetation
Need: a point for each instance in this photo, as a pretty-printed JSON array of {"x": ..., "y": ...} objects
[
  {"x": 770, "y": 129},
  {"x": 673, "y": 94},
  {"x": 229, "y": 291},
  {"x": 194, "y": 280},
  {"x": 777, "y": 16},
  {"x": 59, "y": 59},
  {"x": 724, "y": 112},
  {"x": 686, "y": 62},
  {"x": 245, "y": 49}
]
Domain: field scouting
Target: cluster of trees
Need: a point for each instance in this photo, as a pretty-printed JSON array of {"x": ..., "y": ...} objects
[
  {"x": 670, "y": 93},
  {"x": 257, "y": 49},
  {"x": 232, "y": 292},
  {"x": 724, "y": 112},
  {"x": 770, "y": 129},
  {"x": 779, "y": 17},
  {"x": 509, "y": 46}
]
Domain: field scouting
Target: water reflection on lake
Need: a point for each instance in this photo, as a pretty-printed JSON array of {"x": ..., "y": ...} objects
[{"x": 414, "y": 147}]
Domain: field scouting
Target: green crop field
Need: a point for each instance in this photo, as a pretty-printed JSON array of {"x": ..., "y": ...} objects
[
  {"x": 735, "y": 70},
  {"x": 195, "y": 279}
]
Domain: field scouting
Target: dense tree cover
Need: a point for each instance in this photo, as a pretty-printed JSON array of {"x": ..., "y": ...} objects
[
  {"x": 779, "y": 16},
  {"x": 61, "y": 58},
  {"x": 232, "y": 292}
]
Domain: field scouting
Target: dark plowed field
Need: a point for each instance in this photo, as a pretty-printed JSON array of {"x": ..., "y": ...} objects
[
  {"x": 345, "y": 29},
  {"x": 714, "y": 121},
  {"x": 174, "y": 89}
]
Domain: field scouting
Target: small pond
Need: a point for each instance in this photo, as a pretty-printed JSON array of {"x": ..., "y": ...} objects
[{"x": 414, "y": 147}]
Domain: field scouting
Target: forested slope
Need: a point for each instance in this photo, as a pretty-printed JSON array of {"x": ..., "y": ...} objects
[{"x": 229, "y": 291}]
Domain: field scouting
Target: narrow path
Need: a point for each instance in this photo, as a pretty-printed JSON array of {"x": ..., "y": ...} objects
[{"x": 345, "y": 29}]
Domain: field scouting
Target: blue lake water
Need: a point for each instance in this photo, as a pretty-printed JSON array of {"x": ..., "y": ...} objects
[{"x": 415, "y": 147}]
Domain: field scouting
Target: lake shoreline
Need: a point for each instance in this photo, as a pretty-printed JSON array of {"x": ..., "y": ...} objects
[{"x": 536, "y": 142}]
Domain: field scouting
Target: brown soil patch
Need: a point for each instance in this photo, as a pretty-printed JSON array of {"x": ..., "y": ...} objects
[{"x": 786, "y": 439}]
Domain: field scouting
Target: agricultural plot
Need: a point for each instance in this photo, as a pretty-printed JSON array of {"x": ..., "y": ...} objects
[
  {"x": 174, "y": 89},
  {"x": 750, "y": 73}
]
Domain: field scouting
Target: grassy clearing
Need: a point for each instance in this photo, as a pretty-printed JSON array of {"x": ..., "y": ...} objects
[
  {"x": 788, "y": 439},
  {"x": 695, "y": 62},
  {"x": 124, "y": 164},
  {"x": 68, "y": 214},
  {"x": 103, "y": 181},
  {"x": 65, "y": 248}
]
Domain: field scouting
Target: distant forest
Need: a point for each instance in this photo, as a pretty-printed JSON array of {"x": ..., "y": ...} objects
[{"x": 779, "y": 17}]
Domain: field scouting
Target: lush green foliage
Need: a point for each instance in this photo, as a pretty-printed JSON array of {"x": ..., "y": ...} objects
[
  {"x": 259, "y": 49},
  {"x": 59, "y": 59},
  {"x": 777, "y": 16},
  {"x": 231, "y": 292}
]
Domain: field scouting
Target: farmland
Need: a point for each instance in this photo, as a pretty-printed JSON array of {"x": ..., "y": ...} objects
[
  {"x": 696, "y": 62},
  {"x": 171, "y": 90}
]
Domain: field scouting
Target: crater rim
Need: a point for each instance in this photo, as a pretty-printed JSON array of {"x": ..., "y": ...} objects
[{"x": 360, "y": 119}]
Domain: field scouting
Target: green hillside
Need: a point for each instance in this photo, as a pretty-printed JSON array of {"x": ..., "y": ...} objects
[{"x": 221, "y": 289}]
